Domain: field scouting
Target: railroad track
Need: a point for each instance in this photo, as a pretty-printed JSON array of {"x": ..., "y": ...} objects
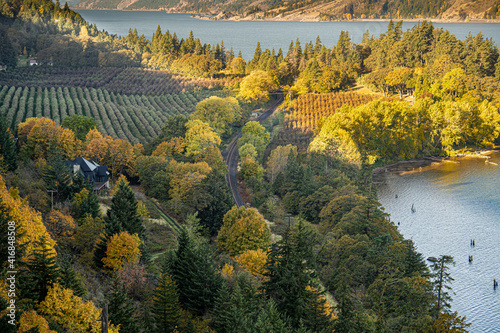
[{"x": 231, "y": 156}]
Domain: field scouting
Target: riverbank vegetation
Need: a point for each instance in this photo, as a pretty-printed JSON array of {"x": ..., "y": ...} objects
[{"x": 166, "y": 249}]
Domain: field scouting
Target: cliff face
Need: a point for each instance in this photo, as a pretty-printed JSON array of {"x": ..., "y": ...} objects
[{"x": 313, "y": 10}]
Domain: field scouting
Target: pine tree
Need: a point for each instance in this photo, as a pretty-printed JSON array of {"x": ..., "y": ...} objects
[
  {"x": 123, "y": 215},
  {"x": 218, "y": 201},
  {"x": 166, "y": 308},
  {"x": 57, "y": 175},
  {"x": 69, "y": 279},
  {"x": 121, "y": 308},
  {"x": 7, "y": 145},
  {"x": 194, "y": 273},
  {"x": 291, "y": 273},
  {"x": 42, "y": 271},
  {"x": 270, "y": 320},
  {"x": 441, "y": 283}
]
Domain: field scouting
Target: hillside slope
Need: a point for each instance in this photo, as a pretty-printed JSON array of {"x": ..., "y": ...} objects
[{"x": 313, "y": 10}]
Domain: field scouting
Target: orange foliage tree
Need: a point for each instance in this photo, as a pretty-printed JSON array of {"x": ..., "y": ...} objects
[
  {"x": 185, "y": 184},
  {"x": 60, "y": 226},
  {"x": 31, "y": 319},
  {"x": 122, "y": 248},
  {"x": 38, "y": 134}
]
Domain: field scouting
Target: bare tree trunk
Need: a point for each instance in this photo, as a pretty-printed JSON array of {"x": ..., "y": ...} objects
[{"x": 104, "y": 318}]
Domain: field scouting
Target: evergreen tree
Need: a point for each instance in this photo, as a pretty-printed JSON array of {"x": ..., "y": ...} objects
[
  {"x": 441, "y": 280},
  {"x": 123, "y": 215},
  {"x": 291, "y": 275},
  {"x": 121, "y": 308},
  {"x": 7, "y": 146},
  {"x": 166, "y": 309},
  {"x": 57, "y": 175},
  {"x": 69, "y": 279},
  {"x": 270, "y": 320},
  {"x": 218, "y": 201},
  {"x": 41, "y": 272},
  {"x": 195, "y": 275}
]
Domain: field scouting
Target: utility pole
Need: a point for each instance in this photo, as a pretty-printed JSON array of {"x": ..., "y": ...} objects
[
  {"x": 52, "y": 197},
  {"x": 104, "y": 318}
]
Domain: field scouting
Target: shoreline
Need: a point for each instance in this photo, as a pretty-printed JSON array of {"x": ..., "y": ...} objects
[
  {"x": 284, "y": 19},
  {"x": 410, "y": 166}
]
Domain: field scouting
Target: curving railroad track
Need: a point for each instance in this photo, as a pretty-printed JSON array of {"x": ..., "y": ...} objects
[{"x": 231, "y": 155}]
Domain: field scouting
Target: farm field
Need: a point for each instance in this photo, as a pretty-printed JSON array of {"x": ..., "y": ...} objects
[
  {"x": 130, "y": 104},
  {"x": 305, "y": 111}
]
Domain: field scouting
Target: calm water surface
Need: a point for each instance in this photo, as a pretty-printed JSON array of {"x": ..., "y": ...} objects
[
  {"x": 455, "y": 202},
  {"x": 245, "y": 35}
]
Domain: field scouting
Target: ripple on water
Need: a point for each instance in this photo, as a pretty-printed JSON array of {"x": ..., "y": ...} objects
[{"x": 455, "y": 202}]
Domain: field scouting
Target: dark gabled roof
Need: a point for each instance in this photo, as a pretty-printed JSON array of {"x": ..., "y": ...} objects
[{"x": 102, "y": 171}]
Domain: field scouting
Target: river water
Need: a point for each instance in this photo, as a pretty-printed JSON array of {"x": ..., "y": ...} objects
[
  {"x": 455, "y": 202},
  {"x": 244, "y": 35}
]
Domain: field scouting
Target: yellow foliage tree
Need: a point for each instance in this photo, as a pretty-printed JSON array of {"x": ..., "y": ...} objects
[
  {"x": 256, "y": 86},
  {"x": 41, "y": 133},
  {"x": 29, "y": 223},
  {"x": 31, "y": 319},
  {"x": 253, "y": 261},
  {"x": 122, "y": 248},
  {"x": 243, "y": 229},
  {"x": 199, "y": 138},
  {"x": 71, "y": 312},
  {"x": 120, "y": 179},
  {"x": 167, "y": 149},
  {"x": 185, "y": 183}
]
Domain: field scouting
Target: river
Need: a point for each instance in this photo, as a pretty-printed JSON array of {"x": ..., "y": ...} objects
[
  {"x": 455, "y": 202},
  {"x": 244, "y": 35}
]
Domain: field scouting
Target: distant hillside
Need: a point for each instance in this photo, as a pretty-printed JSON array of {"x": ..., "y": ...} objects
[{"x": 313, "y": 10}]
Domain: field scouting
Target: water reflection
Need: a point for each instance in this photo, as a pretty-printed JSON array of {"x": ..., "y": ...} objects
[{"x": 455, "y": 202}]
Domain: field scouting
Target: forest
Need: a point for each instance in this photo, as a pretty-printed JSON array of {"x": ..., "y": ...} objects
[{"x": 165, "y": 248}]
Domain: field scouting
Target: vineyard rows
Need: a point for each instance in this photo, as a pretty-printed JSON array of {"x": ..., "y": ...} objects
[
  {"x": 125, "y": 81},
  {"x": 306, "y": 110},
  {"x": 135, "y": 118}
]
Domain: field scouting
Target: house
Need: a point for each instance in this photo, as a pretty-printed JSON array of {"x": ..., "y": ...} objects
[
  {"x": 2, "y": 68},
  {"x": 97, "y": 175},
  {"x": 33, "y": 63}
]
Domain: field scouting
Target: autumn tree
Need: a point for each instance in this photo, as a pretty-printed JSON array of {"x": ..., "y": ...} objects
[
  {"x": 256, "y": 86},
  {"x": 186, "y": 184},
  {"x": 277, "y": 160},
  {"x": 37, "y": 135},
  {"x": 70, "y": 312},
  {"x": 120, "y": 249},
  {"x": 61, "y": 226},
  {"x": 218, "y": 112},
  {"x": 243, "y": 229},
  {"x": 199, "y": 138},
  {"x": 31, "y": 320}
]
